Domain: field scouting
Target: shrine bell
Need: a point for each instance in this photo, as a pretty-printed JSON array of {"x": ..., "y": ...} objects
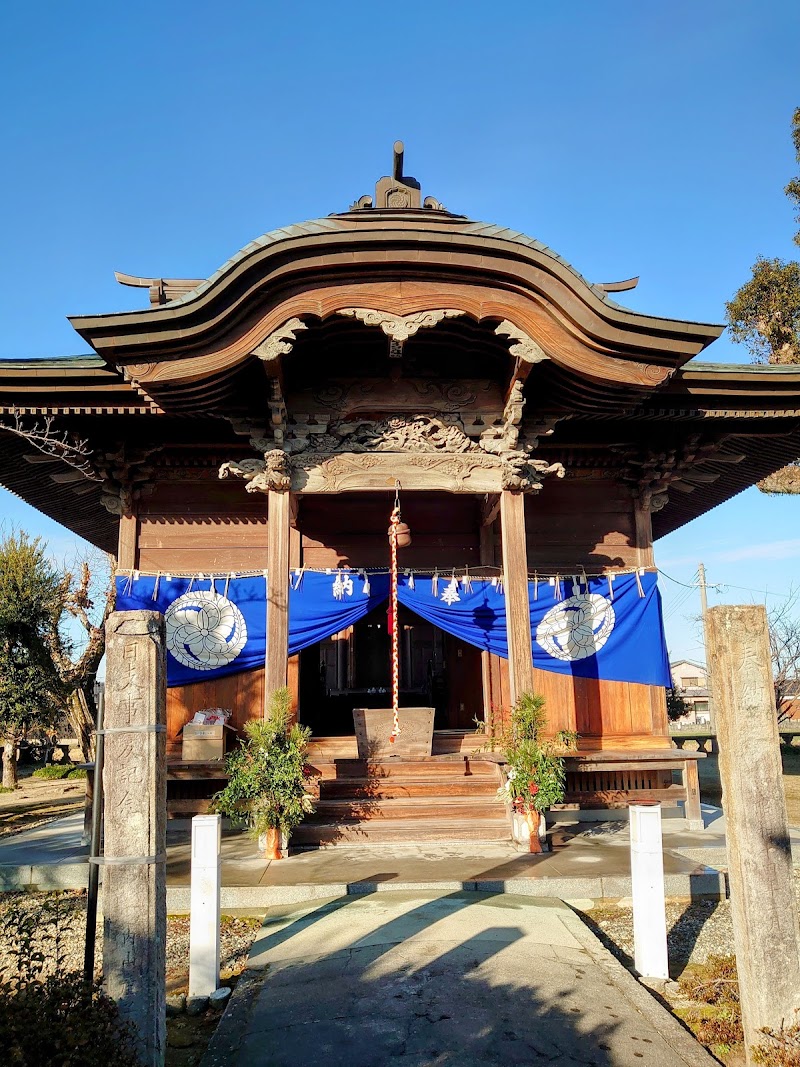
[{"x": 403, "y": 534}]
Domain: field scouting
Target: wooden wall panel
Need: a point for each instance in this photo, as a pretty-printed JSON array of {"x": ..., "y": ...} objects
[
  {"x": 601, "y": 709},
  {"x": 581, "y": 522},
  {"x": 201, "y": 527},
  {"x": 243, "y": 693},
  {"x": 352, "y": 530}
]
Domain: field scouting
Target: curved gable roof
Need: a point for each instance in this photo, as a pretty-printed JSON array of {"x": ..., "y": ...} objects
[{"x": 433, "y": 246}]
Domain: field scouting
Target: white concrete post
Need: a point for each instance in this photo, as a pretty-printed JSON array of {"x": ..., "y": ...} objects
[
  {"x": 204, "y": 903},
  {"x": 647, "y": 880}
]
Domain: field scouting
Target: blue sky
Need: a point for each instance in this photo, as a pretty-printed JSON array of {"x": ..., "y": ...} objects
[{"x": 648, "y": 139}]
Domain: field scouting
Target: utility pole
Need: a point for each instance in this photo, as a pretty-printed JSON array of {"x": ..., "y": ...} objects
[{"x": 701, "y": 570}]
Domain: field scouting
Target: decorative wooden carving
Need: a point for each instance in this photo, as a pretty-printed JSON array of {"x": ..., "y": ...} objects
[
  {"x": 398, "y": 328},
  {"x": 277, "y": 408},
  {"x": 353, "y": 396},
  {"x": 523, "y": 474},
  {"x": 261, "y": 475},
  {"x": 653, "y": 474},
  {"x": 504, "y": 438},
  {"x": 126, "y": 477},
  {"x": 279, "y": 342},
  {"x": 472, "y": 472},
  {"x": 525, "y": 350},
  {"x": 410, "y": 440}
]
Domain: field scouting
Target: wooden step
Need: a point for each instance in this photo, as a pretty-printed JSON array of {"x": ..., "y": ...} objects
[
  {"x": 444, "y": 742},
  {"x": 398, "y": 787},
  {"x": 436, "y": 768},
  {"x": 418, "y": 808},
  {"x": 399, "y": 831}
]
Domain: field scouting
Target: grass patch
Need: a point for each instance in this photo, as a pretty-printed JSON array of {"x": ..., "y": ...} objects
[
  {"x": 5, "y": 789},
  {"x": 76, "y": 772},
  {"x": 56, "y": 771},
  {"x": 714, "y": 1014}
]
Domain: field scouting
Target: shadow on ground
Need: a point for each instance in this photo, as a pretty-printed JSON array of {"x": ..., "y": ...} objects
[{"x": 462, "y": 979}]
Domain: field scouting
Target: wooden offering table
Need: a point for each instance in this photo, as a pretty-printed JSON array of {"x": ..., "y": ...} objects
[{"x": 373, "y": 727}]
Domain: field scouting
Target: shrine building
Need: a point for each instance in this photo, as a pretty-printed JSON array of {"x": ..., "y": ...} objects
[{"x": 238, "y": 445}]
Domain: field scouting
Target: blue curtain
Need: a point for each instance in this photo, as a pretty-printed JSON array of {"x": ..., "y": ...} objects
[
  {"x": 600, "y": 629},
  {"x": 477, "y": 616},
  {"x": 595, "y": 629},
  {"x": 214, "y": 627},
  {"x": 217, "y": 627},
  {"x": 324, "y": 604}
]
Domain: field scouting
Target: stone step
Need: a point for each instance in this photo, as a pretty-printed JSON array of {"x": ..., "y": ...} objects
[
  {"x": 398, "y": 787},
  {"x": 399, "y": 831},
  {"x": 421, "y": 809}
]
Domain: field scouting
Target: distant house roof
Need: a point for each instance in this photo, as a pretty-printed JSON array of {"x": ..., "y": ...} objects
[{"x": 688, "y": 662}]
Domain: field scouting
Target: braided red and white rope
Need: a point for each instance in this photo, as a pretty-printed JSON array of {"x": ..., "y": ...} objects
[{"x": 393, "y": 524}]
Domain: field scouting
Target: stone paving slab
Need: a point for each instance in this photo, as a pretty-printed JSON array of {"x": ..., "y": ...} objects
[
  {"x": 439, "y": 980},
  {"x": 588, "y": 861}
]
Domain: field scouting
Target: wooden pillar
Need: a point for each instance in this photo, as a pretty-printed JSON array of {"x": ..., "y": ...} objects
[
  {"x": 763, "y": 905},
  {"x": 134, "y": 903},
  {"x": 127, "y": 542},
  {"x": 515, "y": 580},
  {"x": 295, "y": 561},
  {"x": 691, "y": 783},
  {"x": 276, "y": 673},
  {"x": 487, "y": 558}
]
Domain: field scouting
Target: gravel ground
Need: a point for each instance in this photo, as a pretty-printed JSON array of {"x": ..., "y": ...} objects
[
  {"x": 695, "y": 930},
  {"x": 68, "y": 911}
]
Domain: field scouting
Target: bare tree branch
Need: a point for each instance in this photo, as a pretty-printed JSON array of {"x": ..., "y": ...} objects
[
  {"x": 59, "y": 444},
  {"x": 784, "y": 639}
]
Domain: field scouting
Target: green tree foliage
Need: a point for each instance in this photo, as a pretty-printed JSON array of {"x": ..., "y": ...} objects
[
  {"x": 32, "y": 594},
  {"x": 793, "y": 188},
  {"x": 44, "y": 668},
  {"x": 268, "y": 778},
  {"x": 765, "y": 315},
  {"x": 535, "y": 774},
  {"x": 676, "y": 705}
]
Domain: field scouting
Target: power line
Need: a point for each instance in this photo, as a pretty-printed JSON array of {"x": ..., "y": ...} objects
[
  {"x": 748, "y": 589},
  {"x": 675, "y": 580}
]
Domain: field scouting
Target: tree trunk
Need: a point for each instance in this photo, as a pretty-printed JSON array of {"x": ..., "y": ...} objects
[
  {"x": 10, "y": 764},
  {"x": 82, "y": 720}
]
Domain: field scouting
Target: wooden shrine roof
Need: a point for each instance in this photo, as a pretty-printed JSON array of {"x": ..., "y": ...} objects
[{"x": 187, "y": 379}]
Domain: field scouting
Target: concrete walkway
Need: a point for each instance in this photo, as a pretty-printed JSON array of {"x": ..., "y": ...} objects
[
  {"x": 432, "y": 980},
  {"x": 588, "y": 861}
]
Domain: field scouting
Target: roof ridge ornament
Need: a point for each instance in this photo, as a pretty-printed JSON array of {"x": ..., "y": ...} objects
[{"x": 399, "y": 191}]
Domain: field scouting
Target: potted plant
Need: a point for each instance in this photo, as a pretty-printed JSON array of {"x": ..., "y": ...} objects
[
  {"x": 535, "y": 777},
  {"x": 268, "y": 777}
]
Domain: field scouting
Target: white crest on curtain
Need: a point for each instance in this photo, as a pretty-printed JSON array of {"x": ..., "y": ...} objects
[
  {"x": 204, "y": 630},
  {"x": 577, "y": 627}
]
